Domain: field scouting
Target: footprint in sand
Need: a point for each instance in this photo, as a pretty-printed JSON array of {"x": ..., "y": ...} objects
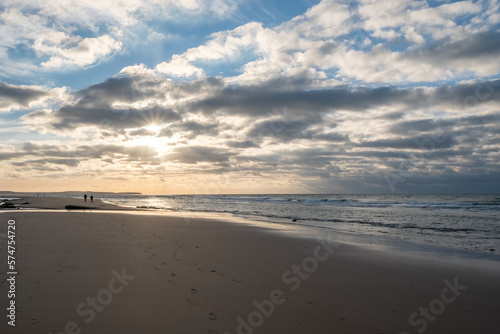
[
  {"x": 193, "y": 291},
  {"x": 191, "y": 302},
  {"x": 212, "y": 316},
  {"x": 313, "y": 304},
  {"x": 173, "y": 275}
]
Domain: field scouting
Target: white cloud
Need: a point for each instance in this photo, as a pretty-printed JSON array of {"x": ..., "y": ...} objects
[
  {"x": 179, "y": 67},
  {"x": 88, "y": 51},
  {"x": 319, "y": 41},
  {"x": 91, "y": 31}
]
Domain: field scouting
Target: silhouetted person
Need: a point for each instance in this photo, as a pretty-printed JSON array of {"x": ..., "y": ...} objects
[
  {"x": 92, "y": 198},
  {"x": 85, "y": 197}
]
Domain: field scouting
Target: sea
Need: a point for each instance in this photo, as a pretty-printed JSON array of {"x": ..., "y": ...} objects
[{"x": 457, "y": 221}]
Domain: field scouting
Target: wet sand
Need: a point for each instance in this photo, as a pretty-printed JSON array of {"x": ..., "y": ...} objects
[
  {"x": 103, "y": 272},
  {"x": 59, "y": 203}
]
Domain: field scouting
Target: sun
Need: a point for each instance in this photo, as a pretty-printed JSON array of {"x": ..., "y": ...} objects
[
  {"x": 153, "y": 127},
  {"x": 153, "y": 138}
]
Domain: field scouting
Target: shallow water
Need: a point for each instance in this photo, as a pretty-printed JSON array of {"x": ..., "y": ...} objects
[{"x": 464, "y": 221}]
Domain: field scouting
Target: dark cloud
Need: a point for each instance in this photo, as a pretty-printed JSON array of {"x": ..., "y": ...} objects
[
  {"x": 446, "y": 126},
  {"x": 191, "y": 129},
  {"x": 287, "y": 129},
  {"x": 242, "y": 144},
  {"x": 41, "y": 162},
  {"x": 465, "y": 95},
  {"x": 268, "y": 100},
  {"x": 331, "y": 137},
  {"x": 283, "y": 129},
  {"x": 71, "y": 157},
  {"x": 95, "y": 107},
  {"x": 264, "y": 100},
  {"x": 166, "y": 132},
  {"x": 142, "y": 132},
  {"x": 195, "y": 154},
  {"x": 18, "y": 95},
  {"x": 72, "y": 117},
  {"x": 127, "y": 153},
  {"x": 9, "y": 155},
  {"x": 418, "y": 143},
  {"x": 473, "y": 46},
  {"x": 424, "y": 125}
]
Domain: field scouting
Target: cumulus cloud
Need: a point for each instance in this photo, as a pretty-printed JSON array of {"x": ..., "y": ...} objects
[
  {"x": 87, "y": 51},
  {"x": 12, "y": 97},
  {"x": 95, "y": 106},
  {"x": 338, "y": 96},
  {"x": 179, "y": 67},
  {"x": 49, "y": 157},
  {"x": 332, "y": 36},
  {"x": 196, "y": 154},
  {"x": 51, "y": 37}
]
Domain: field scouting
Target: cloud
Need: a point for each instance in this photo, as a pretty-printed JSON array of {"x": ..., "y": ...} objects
[
  {"x": 482, "y": 48},
  {"x": 179, "y": 67},
  {"x": 43, "y": 162},
  {"x": 283, "y": 129},
  {"x": 16, "y": 97},
  {"x": 96, "y": 106},
  {"x": 335, "y": 37},
  {"x": 406, "y": 143},
  {"x": 53, "y": 38},
  {"x": 331, "y": 100},
  {"x": 242, "y": 144},
  {"x": 223, "y": 46},
  {"x": 196, "y": 154},
  {"x": 88, "y": 51},
  {"x": 192, "y": 129},
  {"x": 142, "y": 132},
  {"x": 39, "y": 155}
]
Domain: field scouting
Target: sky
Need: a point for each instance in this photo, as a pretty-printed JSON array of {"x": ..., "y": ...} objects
[{"x": 235, "y": 96}]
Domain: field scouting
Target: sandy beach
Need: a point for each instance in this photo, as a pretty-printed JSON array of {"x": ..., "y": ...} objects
[
  {"x": 59, "y": 203},
  {"x": 137, "y": 272}
]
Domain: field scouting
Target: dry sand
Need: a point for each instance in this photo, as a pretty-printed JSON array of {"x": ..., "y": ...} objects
[{"x": 101, "y": 272}]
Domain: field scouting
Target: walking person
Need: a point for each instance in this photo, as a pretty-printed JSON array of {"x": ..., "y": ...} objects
[
  {"x": 92, "y": 198},
  {"x": 85, "y": 197}
]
